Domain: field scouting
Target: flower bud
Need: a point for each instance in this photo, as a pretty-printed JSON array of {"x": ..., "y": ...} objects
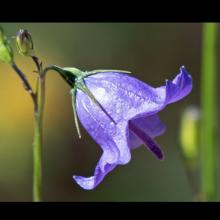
[
  {"x": 189, "y": 133},
  {"x": 6, "y": 53},
  {"x": 24, "y": 43}
]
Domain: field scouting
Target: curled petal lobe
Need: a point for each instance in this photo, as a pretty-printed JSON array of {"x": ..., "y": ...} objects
[
  {"x": 177, "y": 89},
  {"x": 90, "y": 183}
]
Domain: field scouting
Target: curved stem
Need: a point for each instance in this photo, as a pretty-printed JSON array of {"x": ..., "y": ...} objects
[
  {"x": 70, "y": 80},
  {"x": 25, "y": 81},
  {"x": 37, "y": 63}
]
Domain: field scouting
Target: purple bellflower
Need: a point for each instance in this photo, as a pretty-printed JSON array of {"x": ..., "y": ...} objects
[{"x": 120, "y": 113}]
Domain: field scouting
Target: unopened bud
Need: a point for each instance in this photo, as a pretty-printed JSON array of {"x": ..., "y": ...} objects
[
  {"x": 189, "y": 133},
  {"x": 24, "y": 43}
]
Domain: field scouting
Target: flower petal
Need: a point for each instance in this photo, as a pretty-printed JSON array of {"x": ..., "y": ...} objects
[
  {"x": 125, "y": 97},
  {"x": 112, "y": 138},
  {"x": 121, "y": 95}
]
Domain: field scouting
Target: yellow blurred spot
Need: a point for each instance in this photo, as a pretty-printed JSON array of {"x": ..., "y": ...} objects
[{"x": 189, "y": 132}]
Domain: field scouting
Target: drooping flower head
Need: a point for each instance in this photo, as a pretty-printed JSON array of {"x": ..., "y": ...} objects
[{"x": 120, "y": 113}]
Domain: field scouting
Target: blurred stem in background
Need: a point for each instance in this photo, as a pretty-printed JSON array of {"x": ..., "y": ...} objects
[{"x": 209, "y": 108}]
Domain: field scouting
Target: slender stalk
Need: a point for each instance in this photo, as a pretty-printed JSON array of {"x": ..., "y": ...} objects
[
  {"x": 25, "y": 81},
  {"x": 37, "y": 159},
  {"x": 25, "y": 47},
  {"x": 208, "y": 104},
  {"x": 37, "y": 144},
  {"x": 38, "y": 100}
]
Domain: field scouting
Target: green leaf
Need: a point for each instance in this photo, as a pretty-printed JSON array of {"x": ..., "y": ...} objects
[{"x": 6, "y": 53}]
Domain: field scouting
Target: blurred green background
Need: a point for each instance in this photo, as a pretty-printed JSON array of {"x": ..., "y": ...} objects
[{"x": 153, "y": 52}]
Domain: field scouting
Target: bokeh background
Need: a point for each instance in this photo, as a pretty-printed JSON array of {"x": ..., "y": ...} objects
[{"x": 153, "y": 52}]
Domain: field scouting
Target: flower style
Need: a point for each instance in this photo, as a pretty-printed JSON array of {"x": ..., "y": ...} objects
[{"x": 120, "y": 113}]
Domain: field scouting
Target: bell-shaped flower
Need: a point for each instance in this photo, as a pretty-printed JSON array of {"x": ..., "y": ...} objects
[{"x": 120, "y": 113}]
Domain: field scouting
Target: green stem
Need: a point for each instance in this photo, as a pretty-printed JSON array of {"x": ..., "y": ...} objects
[
  {"x": 208, "y": 104},
  {"x": 37, "y": 144},
  {"x": 38, "y": 98}
]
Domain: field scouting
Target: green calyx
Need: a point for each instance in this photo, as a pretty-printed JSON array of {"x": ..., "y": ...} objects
[
  {"x": 6, "y": 53},
  {"x": 73, "y": 75},
  {"x": 70, "y": 75}
]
